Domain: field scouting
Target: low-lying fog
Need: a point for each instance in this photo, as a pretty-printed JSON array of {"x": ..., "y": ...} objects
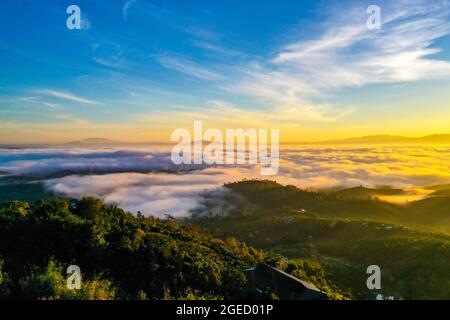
[{"x": 144, "y": 178}]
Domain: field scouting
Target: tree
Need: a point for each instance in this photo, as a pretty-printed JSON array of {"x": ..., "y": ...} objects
[{"x": 89, "y": 208}]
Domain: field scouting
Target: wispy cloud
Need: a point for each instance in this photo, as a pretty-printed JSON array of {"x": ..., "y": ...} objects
[
  {"x": 222, "y": 114},
  {"x": 67, "y": 96},
  {"x": 215, "y": 48},
  {"x": 110, "y": 63},
  {"x": 188, "y": 67},
  {"x": 301, "y": 79},
  {"x": 28, "y": 99},
  {"x": 51, "y": 105},
  {"x": 69, "y": 118},
  {"x": 202, "y": 33},
  {"x": 349, "y": 54},
  {"x": 109, "y": 54},
  {"x": 36, "y": 101},
  {"x": 126, "y": 7}
]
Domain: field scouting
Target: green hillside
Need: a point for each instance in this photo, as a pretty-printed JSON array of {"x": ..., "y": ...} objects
[
  {"x": 122, "y": 256},
  {"x": 23, "y": 191},
  {"x": 326, "y": 239},
  {"x": 367, "y": 193},
  {"x": 309, "y": 226},
  {"x": 275, "y": 197},
  {"x": 432, "y": 212}
]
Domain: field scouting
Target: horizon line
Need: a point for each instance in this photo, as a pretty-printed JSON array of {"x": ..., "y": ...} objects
[{"x": 347, "y": 140}]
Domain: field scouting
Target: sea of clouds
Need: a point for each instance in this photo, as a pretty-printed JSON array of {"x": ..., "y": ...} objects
[{"x": 144, "y": 178}]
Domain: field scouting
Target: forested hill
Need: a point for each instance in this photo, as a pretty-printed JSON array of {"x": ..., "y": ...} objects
[
  {"x": 270, "y": 195},
  {"x": 430, "y": 214},
  {"x": 121, "y": 256},
  {"x": 341, "y": 237},
  {"x": 325, "y": 239}
]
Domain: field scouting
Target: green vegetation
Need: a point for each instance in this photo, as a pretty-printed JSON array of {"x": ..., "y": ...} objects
[
  {"x": 341, "y": 237},
  {"x": 367, "y": 193},
  {"x": 121, "y": 256},
  {"x": 429, "y": 214},
  {"x": 432, "y": 213},
  {"x": 13, "y": 189},
  {"x": 277, "y": 198},
  {"x": 328, "y": 239}
]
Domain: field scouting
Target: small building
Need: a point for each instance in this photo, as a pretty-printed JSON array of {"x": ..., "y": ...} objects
[{"x": 265, "y": 280}]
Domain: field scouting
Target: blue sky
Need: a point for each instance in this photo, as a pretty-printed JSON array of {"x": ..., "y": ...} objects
[{"x": 139, "y": 69}]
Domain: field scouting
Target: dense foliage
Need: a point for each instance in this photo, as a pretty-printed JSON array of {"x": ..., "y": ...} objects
[
  {"x": 121, "y": 256},
  {"x": 328, "y": 239},
  {"x": 340, "y": 238},
  {"x": 358, "y": 203}
]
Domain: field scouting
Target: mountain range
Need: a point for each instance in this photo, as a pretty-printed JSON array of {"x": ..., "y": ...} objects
[
  {"x": 93, "y": 141},
  {"x": 364, "y": 140},
  {"x": 391, "y": 139}
]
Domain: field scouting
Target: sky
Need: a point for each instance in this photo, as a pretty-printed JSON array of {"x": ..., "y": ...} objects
[{"x": 139, "y": 69}]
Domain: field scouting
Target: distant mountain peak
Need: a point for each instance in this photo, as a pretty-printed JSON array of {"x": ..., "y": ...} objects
[
  {"x": 392, "y": 139},
  {"x": 94, "y": 141}
]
